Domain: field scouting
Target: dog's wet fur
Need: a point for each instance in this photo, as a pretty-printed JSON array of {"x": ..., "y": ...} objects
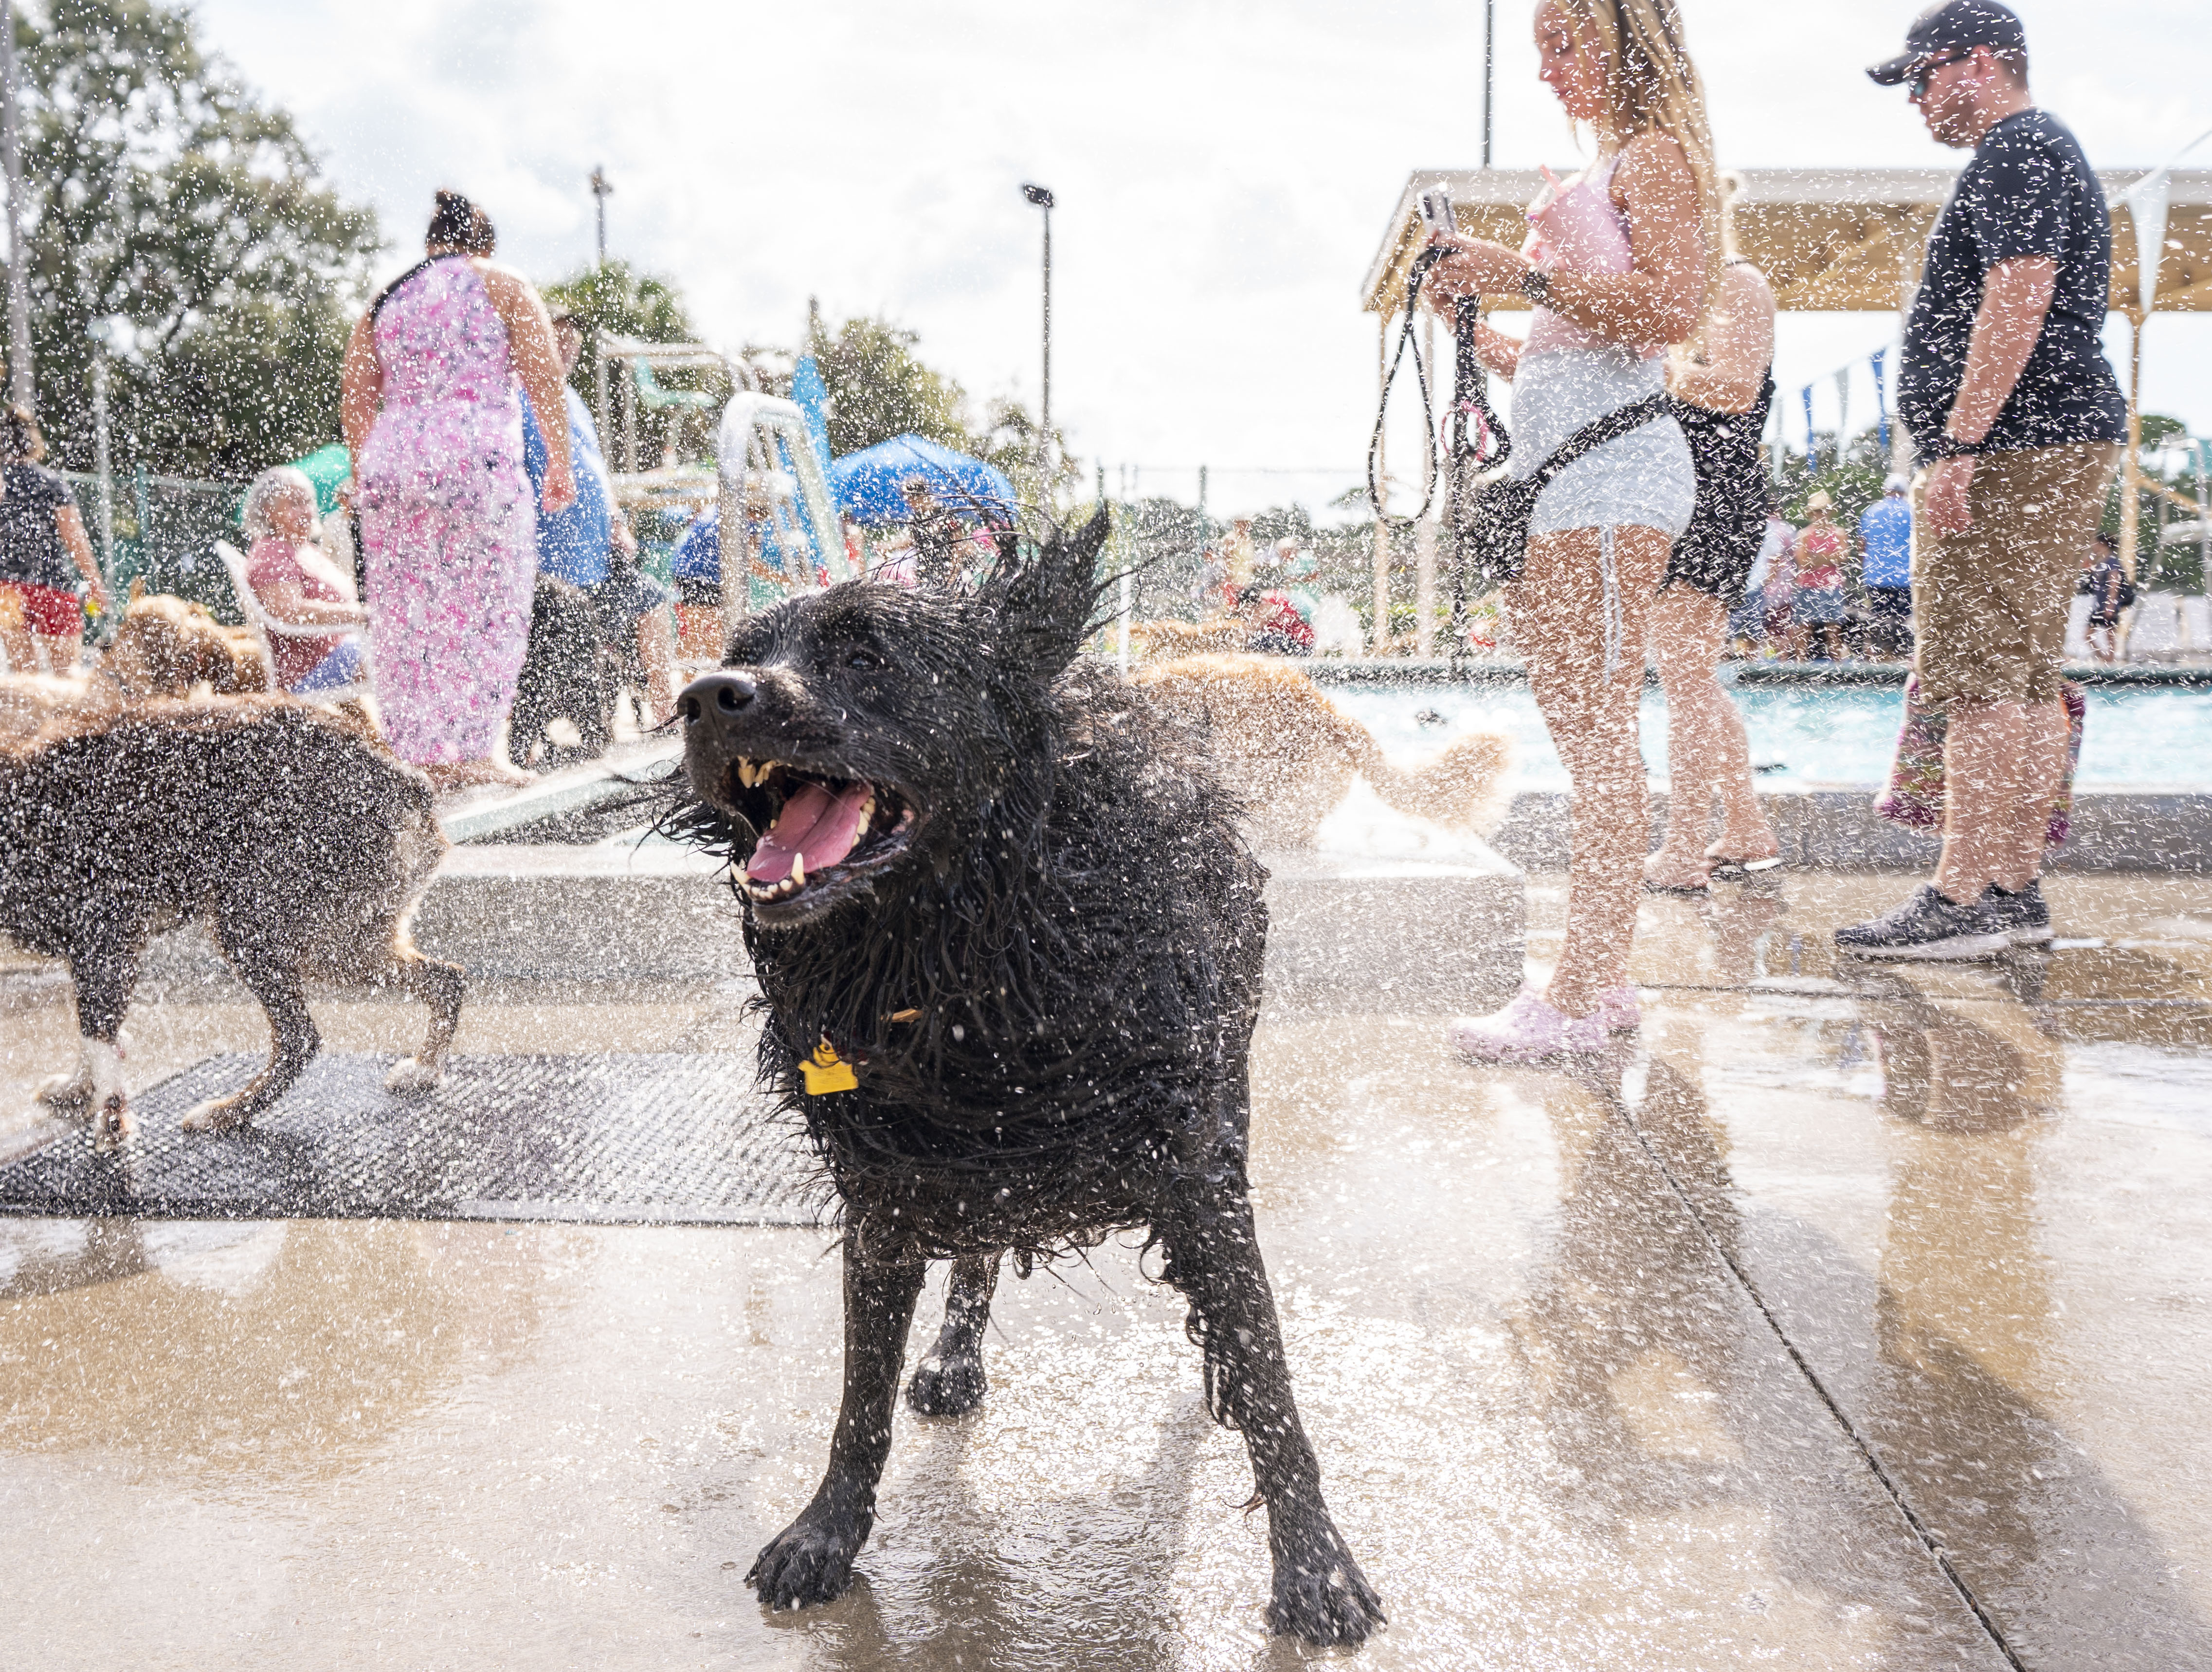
[
  {"x": 301, "y": 844},
  {"x": 1040, "y": 956}
]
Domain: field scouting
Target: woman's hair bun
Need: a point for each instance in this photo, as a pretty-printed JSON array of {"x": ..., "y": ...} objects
[{"x": 458, "y": 224}]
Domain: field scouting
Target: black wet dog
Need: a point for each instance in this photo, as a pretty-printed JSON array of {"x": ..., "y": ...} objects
[
  {"x": 568, "y": 672},
  {"x": 1009, "y": 944}
]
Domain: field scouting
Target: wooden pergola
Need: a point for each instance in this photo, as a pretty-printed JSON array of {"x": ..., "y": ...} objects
[{"x": 1844, "y": 241}]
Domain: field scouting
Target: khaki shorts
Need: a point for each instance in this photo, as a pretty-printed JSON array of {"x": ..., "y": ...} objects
[{"x": 1990, "y": 603}]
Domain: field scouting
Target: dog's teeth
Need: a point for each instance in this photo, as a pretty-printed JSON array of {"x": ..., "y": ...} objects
[{"x": 798, "y": 870}]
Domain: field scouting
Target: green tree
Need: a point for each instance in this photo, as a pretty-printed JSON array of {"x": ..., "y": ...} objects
[
  {"x": 160, "y": 189},
  {"x": 879, "y": 387}
]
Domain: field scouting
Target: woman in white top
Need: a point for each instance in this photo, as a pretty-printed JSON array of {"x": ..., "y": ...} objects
[{"x": 1622, "y": 262}]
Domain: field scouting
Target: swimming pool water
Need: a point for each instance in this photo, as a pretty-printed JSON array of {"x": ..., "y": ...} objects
[{"x": 1799, "y": 735}]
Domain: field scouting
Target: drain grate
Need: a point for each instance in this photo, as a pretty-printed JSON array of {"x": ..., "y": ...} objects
[{"x": 661, "y": 1138}]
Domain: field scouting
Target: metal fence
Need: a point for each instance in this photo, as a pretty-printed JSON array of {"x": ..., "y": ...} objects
[{"x": 162, "y": 529}]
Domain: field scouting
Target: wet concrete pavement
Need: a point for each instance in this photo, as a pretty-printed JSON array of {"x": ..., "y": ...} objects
[{"x": 1832, "y": 1312}]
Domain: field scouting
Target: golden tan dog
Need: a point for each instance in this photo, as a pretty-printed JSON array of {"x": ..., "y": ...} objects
[
  {"x": 1290, "y": 754},
  {"x": 1170, "y": 641},
  {"x": 164, "y": 646}
]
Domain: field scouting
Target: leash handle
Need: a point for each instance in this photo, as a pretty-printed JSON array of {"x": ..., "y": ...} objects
[{"x": 1415, "y": 278}]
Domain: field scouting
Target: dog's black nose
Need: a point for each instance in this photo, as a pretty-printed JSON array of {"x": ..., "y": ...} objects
[{"x": 725, "y": 693}]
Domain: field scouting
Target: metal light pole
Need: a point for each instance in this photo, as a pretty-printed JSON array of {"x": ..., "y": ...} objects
[
  {"x": 1489, "y": 70},
  {"x": 601, "y": 190},
  {"x": 20, "y": 384},
  {"x": 102, "y": 461},
  {"x": 1042, "y": 197}
]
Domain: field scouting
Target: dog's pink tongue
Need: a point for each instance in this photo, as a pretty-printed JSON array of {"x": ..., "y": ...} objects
[{"x": 814, "y": 823}]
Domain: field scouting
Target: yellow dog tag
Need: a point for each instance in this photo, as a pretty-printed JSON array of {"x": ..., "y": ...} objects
[{"x": 826, "y": 1071}]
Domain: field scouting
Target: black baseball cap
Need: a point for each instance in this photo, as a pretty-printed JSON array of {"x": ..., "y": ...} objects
[{"x": 1954, "y": 25}]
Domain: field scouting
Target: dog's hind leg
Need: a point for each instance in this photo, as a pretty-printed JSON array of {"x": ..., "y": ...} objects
[
  {"x": 441, "y": 986},
  {"x": 811, "y": 1560},
  {"x": 1320, "y": 1593},
  {"x": 950, "y": 1381},
  {"x": 292, "y": 1042},
  {"x": 104, "y": 978}
]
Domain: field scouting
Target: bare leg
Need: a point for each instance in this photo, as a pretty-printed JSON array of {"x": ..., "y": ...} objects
[
  {"x": 811, "y": 1560},
  {"x": 61, "y": 653},
  {"x": 21, "y": 649},
  {"x": 1558, "y": 609},
  {"x": 2001, "y": 765},
  {"x": 949, "y": 1381},
  {"x": 1707, "y": 752},
  {"x": 656, "y": 648},
  {"x": 293, "y": 1043},
  {"x": 1320, "y": 1594}
]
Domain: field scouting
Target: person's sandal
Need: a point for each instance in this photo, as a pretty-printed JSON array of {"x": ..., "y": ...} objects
[
  {"x": 1661, "y": 885},
  {"x": 1735, "y": 868}
]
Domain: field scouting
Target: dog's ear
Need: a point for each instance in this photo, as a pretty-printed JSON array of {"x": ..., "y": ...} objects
[
  {"x": 137, "y": 589},
  {"x": 1045, "y": 606}
]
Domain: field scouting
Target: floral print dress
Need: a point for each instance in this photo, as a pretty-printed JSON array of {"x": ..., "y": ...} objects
[{"x": 447, "y": 522}]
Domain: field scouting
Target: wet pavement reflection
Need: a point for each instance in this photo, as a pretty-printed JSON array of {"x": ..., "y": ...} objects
[{"x": 1850, "y": 1316}]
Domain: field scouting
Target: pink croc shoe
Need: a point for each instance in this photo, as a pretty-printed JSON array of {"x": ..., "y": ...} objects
[
  {"x": 1527, "y": 1031},
  {"x": 1618, "y": 1009}
]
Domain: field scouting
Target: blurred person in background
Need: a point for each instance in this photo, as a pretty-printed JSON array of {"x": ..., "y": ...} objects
[
  {"x": 2105, "y": 581},
  {"x": 1818, "y": 606},
  {"x": 448, "y": 522},
  {"x": 1747, "y": 621},
  {"x": 590, "y": 544},
  {"x": 1722, "y": 384},
  {"x": 297, "y": 584},
  {"x": 2018, "y": 423},
  {"x": 1885, "y": 568},
  {"x": 45, "y": 555}
]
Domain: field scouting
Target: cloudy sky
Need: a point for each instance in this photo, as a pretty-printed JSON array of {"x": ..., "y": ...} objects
[{"x": 1225, "y": 173}]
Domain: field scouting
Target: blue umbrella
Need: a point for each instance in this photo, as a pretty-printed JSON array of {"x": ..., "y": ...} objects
[{"x": 867, "y": 485}]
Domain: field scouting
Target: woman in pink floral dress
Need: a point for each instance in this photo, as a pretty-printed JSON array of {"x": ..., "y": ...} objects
[{"x": 447, "y": 520}]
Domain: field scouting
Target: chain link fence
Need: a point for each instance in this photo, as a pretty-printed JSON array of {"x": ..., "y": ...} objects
[{"x": 162, "y": 529}]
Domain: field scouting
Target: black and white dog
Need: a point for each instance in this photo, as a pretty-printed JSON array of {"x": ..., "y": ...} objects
[{"x": 1009, "y": 944}]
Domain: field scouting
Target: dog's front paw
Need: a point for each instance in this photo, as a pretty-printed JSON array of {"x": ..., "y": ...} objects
[
  {"x": 69, "y": 1095},
  {"x": 413, "y": 1077},
  {"x": 809, "y": 1561},
  {"x": 214, "y": 1115},
  {"x": 945, "y": 1387},
  {"x": 112, "y": 1124},
  {"x": 1321, "y": 1595}
]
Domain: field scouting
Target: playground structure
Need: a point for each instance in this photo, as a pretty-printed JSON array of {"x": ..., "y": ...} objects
[{"x": 767, "y": 473}]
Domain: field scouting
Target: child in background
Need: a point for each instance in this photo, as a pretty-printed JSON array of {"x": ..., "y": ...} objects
[{"x": 1819, "y": 607}]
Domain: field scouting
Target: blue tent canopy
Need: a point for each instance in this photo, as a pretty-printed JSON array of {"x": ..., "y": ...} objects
[{"x": 866, "y": 484}]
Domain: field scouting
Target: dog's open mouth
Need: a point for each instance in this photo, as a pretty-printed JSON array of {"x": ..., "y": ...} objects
[{"x": 818, "y": 831}]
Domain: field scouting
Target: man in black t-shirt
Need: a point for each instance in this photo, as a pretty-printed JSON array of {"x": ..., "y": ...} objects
[{"x": 2018, "y": 423}]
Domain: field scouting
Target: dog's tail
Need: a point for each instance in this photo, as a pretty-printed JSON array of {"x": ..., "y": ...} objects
[{"x": 1458, "y": 788}]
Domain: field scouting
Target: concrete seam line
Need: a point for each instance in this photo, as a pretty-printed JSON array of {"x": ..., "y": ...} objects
[{"x": 1928, "y": 1542}]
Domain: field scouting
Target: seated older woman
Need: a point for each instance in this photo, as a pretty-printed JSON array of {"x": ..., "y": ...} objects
[{"x": 297, "y": 586}]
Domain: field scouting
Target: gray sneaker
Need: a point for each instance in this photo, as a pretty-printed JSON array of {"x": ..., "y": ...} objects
[
  {"x": 2025, "y": 919},
  {"x": 1927, "y": 925}
]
